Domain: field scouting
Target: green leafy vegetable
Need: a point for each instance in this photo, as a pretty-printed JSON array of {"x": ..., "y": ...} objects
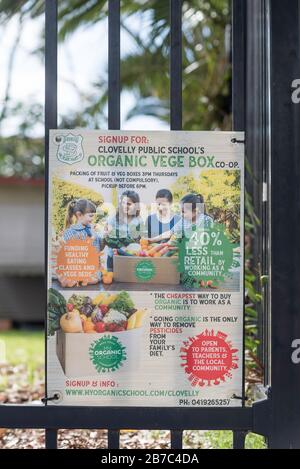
[
  {"x": 123, "y": 302},
  {"x": 57, "y": 306},
  {"x": 116, "y": 243}
]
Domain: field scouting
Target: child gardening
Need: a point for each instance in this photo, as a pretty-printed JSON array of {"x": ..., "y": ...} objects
[
  {"x": 164, "y": 219},
  {"x": 193, "y": 217},
  {"x": 126, "y": 225}
]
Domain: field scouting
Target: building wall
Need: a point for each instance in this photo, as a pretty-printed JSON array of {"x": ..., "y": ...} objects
[
  {"x": 22, "y": 287},
  {"x": 22, "y": 229}
]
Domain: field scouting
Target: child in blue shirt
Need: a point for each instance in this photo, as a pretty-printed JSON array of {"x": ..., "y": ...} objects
[
  {"x": 164, "y": 219},
  {"x": 126, "y": 224},
  {"x": 193, "y": 217},
  {"x": 81, "y": 211},
  {"x": 79, "y": 225}
]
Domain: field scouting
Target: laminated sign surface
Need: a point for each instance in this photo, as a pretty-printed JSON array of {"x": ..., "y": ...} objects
[{"x": 145, "y": 268}]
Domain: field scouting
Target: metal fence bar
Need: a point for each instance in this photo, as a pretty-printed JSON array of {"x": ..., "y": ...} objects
[
  {"x": 285, "y": 205},
  {"x": 51, "y": 438},
  {"x": 238, "y": 9},
  {"x": 50, "y": 123},
  {"x": 239, "y": 44},
  {"x": 139, "y": 418},
  {"x": 176, "y": 439},
  {"x": 239, "y": 420},
  {"x": 113, "y": 439},
  {"x": 257, "y": 156},
  {"x": 50, "y": 69},
  {"x": 114, "y": 50},
  {"x": 239, "y": 439},
  {"x": 176, "y": 65},
  {"x": 114, "y": 111}
]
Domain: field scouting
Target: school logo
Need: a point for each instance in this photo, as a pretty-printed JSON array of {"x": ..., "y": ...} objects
[
  {"x": 70, "y": 148},
  {"x": 107, "y": 354}
]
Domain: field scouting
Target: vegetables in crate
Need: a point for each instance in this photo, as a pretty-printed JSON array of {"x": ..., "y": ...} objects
[
  {"x": 71, "y": 321},
  {"x": 57, "y": 306},
  {"x": 111, "y": 313}
]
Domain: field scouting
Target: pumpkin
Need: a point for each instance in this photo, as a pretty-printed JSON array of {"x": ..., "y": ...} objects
[{"x": 71, "y": 321}]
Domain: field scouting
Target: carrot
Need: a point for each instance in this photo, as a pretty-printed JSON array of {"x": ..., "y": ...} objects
[
  {"x": 161, "y": 246},
  {"x": 164, "y": 250},
  {"x": 153, "y": 250}
]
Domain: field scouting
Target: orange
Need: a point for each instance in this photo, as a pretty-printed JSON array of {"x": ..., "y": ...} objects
[
  {"x": 88, "y": 326},
  {"x": 107, "y": 279}
]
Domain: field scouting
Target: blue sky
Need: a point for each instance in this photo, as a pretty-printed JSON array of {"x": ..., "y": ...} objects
[{"x": 81, "y": 60}]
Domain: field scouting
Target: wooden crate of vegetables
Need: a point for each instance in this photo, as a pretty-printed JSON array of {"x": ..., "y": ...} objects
[
  {"x": 162, "y": 257},
  {"x": 80, "y": 320}
]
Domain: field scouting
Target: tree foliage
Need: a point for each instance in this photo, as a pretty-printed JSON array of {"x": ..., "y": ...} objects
[{"x": 145, "y": 67}]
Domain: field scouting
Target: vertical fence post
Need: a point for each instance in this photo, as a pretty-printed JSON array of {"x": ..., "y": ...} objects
[
  {"x": 114, "y": 82},
  {"x": 176, "y": 439},
  {"x": 114, "y": 110},
  {"x": 285, "y": 225},
  {"x": 176, "y": 108},
  {"x": 239, "y": 439},
  {"x": 257, "y": 127},
  {"x": 113, "y": 439},
  {"x": 50, "y": 123},
  {"x": 176, "y": 65},
  {"x": 238, "y": 8}
]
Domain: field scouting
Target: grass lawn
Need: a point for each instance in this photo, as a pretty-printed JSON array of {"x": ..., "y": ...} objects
[
  {"x": 21, "y": 366},
  {"x": 23, "y": 348},
  {"x": 22, "y": 371}
]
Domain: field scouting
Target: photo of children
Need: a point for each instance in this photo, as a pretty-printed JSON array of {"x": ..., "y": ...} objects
[
  {"x": 192, "y": 217},
  {"x": 137, "y": 239}
]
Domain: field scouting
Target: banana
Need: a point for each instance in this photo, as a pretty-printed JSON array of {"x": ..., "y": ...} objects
[
  {"x": 131, "y": 322},
  {"x": 140, "y": 313}
]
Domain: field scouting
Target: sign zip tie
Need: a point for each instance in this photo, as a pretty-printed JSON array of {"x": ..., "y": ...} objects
[
  {"x": 235, "y": 140},
  {"x": 240, "y": 398},
  {"x": 55, "y": 397}
]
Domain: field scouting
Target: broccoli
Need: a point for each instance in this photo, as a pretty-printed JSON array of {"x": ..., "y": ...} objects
[{"x": 123, "y": 302}]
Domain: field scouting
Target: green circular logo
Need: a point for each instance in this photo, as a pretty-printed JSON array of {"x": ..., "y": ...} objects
[
  {"x": 144, "y": 270},
  {"x": 107, "y": 354}
]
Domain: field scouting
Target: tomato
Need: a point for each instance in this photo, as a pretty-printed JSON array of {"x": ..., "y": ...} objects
[
  {"x": 100, "y": 327},
  {"x": 111, "y": 327}
]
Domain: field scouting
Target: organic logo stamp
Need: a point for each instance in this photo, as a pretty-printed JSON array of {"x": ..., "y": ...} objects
[
  {"x": 107, "y": 354},
  {"x": 145, "y": 271},
  {"x": 70, "y": 148}
]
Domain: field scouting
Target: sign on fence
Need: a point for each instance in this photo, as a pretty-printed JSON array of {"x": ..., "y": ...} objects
[{"x": 145, "y": 268}]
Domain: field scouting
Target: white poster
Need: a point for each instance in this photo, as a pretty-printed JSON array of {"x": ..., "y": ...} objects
[{"x": 145, "y": 268}]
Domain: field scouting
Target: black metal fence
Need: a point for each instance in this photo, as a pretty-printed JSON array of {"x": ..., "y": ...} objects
[{"x": 262, "y": 77}]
